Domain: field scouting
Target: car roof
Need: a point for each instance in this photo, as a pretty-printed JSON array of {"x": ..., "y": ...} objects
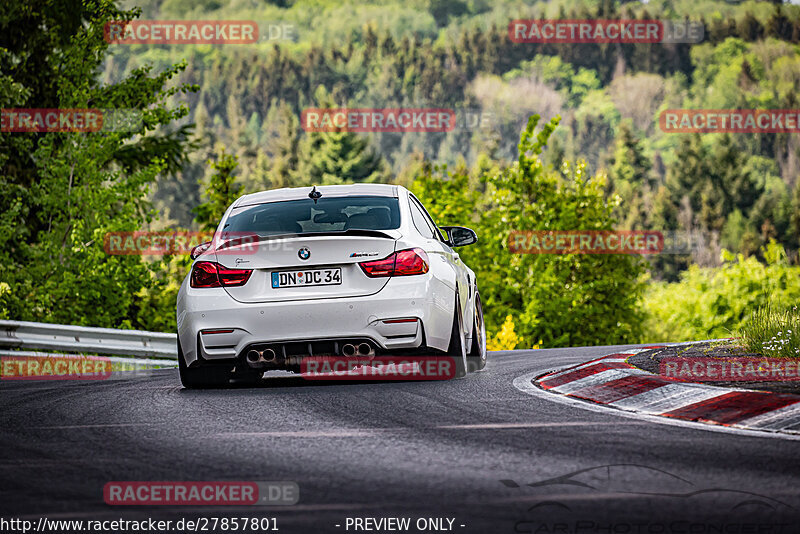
[{"x": 297, "y": 193}]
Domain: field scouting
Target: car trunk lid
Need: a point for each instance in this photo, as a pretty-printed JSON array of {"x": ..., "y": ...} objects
[{"x": 302, "y": 267}]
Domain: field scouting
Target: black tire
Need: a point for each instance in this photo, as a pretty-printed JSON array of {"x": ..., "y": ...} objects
[
  {"x": 476, "y": 359},
  {"x": 456, "y": 349},
  {"x": 201, "y": 377}
]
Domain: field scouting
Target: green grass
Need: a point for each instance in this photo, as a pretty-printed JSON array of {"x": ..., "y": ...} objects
[{"x": 773, "y": 333}]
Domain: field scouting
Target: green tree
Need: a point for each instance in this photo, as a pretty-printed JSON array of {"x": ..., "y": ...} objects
[
  {"x": 328, "y": 158},
  {"x": 448, "y": 195},
  {"x": 220, "y": 192},
  {"x": 629, "y": 179},
  {"x": 558, "y": 300},
  {"x": 282, "y": 145},
  {"x": 62, "y": 193},
  {"x": 565, "y": 300},
  {"x": 715, "y": 181},
  {"x": 339, "y": 158}
]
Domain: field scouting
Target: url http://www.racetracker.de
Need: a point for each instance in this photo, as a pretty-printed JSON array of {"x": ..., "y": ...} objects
[{"x": 199, "y": 524}]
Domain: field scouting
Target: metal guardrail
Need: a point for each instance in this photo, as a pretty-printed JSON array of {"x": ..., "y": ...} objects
[
  {"x": 144, "y": 362},
  {"x": 87, "y": 339}
]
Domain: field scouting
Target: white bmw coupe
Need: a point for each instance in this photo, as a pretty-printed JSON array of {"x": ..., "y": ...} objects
[{"x": 343, "y": 271}]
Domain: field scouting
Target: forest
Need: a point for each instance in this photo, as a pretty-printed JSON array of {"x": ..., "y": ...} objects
[{"x": 567, "y": 137}]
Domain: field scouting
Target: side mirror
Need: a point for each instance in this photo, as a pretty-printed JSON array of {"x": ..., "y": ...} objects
[
  {"x": 199, "y": 249},
  {"x": 459, "y": 236}
]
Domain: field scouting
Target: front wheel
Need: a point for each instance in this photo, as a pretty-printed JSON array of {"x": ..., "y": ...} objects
[{"x": 477, "y": 353}]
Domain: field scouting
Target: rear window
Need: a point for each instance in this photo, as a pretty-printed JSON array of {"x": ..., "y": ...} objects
[{"x": 335, "y": 214}]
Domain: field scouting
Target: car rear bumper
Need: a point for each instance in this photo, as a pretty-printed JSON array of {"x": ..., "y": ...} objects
[{"x": 216, "y": 327}]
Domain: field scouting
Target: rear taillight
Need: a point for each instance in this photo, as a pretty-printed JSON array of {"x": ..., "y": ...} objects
[
  {"x": 211, "y": 274},
  {"x": 402, "y": 263}
]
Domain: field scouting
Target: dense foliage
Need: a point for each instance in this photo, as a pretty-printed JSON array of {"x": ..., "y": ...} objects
[
  {"x": 60, "y": 193},
  {"x": 555, "y": 300},
  {"x": 716, "y": 303},
  {"x": 607, "y": 165},
  {"x": 458, "y": 55}
]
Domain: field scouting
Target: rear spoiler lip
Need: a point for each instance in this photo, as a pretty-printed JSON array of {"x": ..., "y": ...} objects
[{"x": 386, "y": 234}]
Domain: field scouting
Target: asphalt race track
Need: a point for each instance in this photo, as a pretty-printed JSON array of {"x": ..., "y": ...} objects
[{"x": 476, "y": 450}]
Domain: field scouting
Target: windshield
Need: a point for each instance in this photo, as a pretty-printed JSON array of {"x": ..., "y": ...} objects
[{"x": 304, "y": 216}]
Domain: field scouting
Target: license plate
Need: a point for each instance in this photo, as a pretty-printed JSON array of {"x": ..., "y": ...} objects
[{"x": 307, "y": 277}]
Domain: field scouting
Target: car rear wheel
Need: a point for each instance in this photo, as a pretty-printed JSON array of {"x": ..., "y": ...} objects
[
  {"x": 477, "y": 353},
  {"x": 457, "y": 349},
  {"x": 200, "y": 377}
]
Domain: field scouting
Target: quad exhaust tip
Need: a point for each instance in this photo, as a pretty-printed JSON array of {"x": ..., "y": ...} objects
[
  {"x": 258, "y": 358},
  {"x": 255, "y": 357},
  {"x": 362, "y": 349}
]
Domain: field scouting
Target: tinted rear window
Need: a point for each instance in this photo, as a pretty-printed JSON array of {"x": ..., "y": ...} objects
[{"x": 335, "y": 214}]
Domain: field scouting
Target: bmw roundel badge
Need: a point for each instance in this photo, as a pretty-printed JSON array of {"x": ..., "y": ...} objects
[{"x": 304, "y": 253}]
